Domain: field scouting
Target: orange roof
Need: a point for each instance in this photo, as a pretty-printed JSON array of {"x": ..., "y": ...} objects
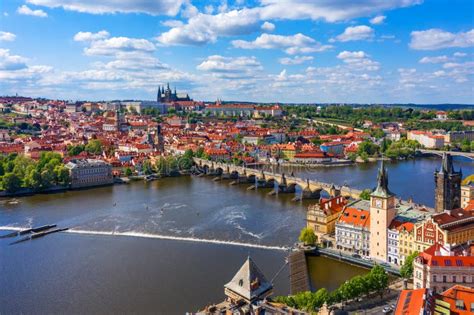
[
  {"x": 411, "y": 302},
  {"x": 355, "y": 217},
  {"x": 462, "y": 294}
]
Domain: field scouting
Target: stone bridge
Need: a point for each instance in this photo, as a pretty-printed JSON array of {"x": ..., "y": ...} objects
[
  {"x": 469, "y": 155},
  {"x": 281, "y": 182}
]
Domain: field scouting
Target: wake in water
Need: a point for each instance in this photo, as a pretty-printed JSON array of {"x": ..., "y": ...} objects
[
  {"x": 159, "y": 236},
  {"x": 176, "y": 238}
]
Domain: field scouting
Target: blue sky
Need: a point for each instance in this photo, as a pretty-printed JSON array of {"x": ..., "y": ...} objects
[{"x": 365, "y": 51}]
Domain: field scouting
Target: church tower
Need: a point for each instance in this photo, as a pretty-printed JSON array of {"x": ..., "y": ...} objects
[
  {"x": 382, "y": 212},
  {"x": 447, "y": 186}
]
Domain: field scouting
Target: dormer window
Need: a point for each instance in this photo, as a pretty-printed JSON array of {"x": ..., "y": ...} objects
[{"x": 241, "y": 282}]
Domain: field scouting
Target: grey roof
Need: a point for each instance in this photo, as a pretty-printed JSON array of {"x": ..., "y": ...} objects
[
  {"x": 382, "y": 183},
  {"x": 249, "y": 282}
]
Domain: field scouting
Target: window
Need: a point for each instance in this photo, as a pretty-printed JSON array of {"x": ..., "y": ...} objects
[
  {"x": 454, "y": 279},
  {"x": 434, "y": 278},
  {"x": 460, "y": 305},
  {"x": 444, "y": 280}
]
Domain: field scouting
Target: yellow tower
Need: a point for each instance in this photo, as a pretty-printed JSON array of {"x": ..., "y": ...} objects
[{"x": 382, "y": 212}]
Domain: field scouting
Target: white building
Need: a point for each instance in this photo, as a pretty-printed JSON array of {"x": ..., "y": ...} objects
[
  {"x": 353, "y": 228},
  {"x": 89, "y": 172}
]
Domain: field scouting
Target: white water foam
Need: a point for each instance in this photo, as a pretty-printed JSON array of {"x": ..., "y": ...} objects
[
  {"x": 175, "y": 238},
  {"x": 13, "y": 228}
]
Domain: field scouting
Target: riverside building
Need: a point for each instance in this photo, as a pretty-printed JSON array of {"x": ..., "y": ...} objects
[{"x": 89, "y": 172}]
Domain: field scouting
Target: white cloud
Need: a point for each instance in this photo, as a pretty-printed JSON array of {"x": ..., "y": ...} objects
[
  {"x": 230, "y": 67},
  {"x": 358, "y": 60},
  {"x": 379, "y": 19},
  {"x": 434, "y": 39},
  {"x": 297, "y": 60},
  {"x": 351, "y": 33},
  {"x": 207, "y": 28},
  {"x": 459, "y": 54},
  {"x": 7, "y": 36},
  {"x": 155, "y": 7},
  {"x": 292, "y": 44},
  {"x": 204, "y": 28},
  {"x": 330, "y": 11},
  {"x": 435, "y": 59},
  {"x": 25, "y": 10},
  {"x": 11, "y": 62},
  {"x": 268, "y": 27},
  {"x": 114, "y": 45},
  {"x": 88, "y": 36}
]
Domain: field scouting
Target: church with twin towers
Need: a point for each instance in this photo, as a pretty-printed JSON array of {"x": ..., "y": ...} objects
[{"x": 168, "y": 96}]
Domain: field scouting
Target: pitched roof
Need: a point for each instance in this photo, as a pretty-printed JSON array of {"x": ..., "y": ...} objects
[
  {"x": 411, "y": 302},
  {"x": 459, "y": 295},
  {"x": 249, "y": 282}
]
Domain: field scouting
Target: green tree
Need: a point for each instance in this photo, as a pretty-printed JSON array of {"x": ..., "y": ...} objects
[
  {"x": 62, "y": 174},
  {"x": 73, "y": 150},
  {"x": 33, "y": 179},
  {"x": 307, "y": 236},
  {"x": 11, "y": 182},
  {"x": 378, "y": 279},
  {"x": 128, "y": 172},
  {"x": 94, "y": 147},
  {"x": 365, "y": 195},
  {"x": 406, "y": 271}
]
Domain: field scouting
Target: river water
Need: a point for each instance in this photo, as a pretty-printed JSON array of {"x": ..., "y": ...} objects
[{"x": 168, "y": 246}]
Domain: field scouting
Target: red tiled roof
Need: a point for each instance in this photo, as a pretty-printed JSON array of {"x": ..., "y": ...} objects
[
  {"x": 459, "y": 293},
  {"x": 411, "y": 302},
  {"x": 355, "y": 217}
]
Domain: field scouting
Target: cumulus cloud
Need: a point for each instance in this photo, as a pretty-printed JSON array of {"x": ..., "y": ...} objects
[
  {"x": 268, "y": 27},
  {"x": 292, "y": 44},
  {"x": 358, "y": 60},
  {"x": 459, "y": 54},
  {"x": 230, "y": 67},
  {"x": 11, "y": 62},
  {"x": 25, "y": 10},
  {"x": 297, "y": 60},
  {"x": 434, "y": 39},
  {"x": 155, "y": 7},
  {"x": 205, "y": 28},
  {"x": 379, "y": 19},
  {"x": 88, "y": 36},
  {"x": 7, "y": 36},
  {"x": 101, "y": 44},
  {"x": 352, "y": 33},
  {"x": 435, "y": 59},
  {"x": 330, "y": 11}
]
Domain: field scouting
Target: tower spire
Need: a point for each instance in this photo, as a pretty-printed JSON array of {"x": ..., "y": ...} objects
[{"x": 382, "y": 182}]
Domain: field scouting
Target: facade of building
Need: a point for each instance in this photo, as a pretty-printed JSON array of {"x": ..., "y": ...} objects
[
  {"x": 467, "y": 194},
  {"x": 426, "y": 139},
  {"x": 353, "y": 228},
  {"x": 447, "y": 186},
  {"x": 459, "y": 136},
  {"x": 450, "y": 227},
  {"x": 440, "y": 267},
  {"x": 322, "y": 216},
  {"x": 89, "y": 172},
  {"x": 382, "y": 212}
]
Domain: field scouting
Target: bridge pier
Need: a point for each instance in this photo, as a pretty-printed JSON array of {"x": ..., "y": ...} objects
[{"x": 309, "y": 194}]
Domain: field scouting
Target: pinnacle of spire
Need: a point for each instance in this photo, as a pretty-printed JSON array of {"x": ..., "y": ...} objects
[{"x": 382, "y": 182}]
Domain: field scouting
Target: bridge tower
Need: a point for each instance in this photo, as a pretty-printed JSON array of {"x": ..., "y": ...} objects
[{"x": 447, "y": 185}]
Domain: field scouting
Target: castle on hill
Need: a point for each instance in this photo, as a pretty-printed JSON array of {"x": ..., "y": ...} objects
[{"x": 168, "y": 96}]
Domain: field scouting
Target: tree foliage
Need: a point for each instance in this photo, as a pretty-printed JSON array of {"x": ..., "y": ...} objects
[
  {"x": 307, "y": 236},
  {"x": 406, "y": 271}
]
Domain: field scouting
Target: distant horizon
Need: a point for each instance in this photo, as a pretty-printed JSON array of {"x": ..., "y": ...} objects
[{"x": 253, "y": 102}]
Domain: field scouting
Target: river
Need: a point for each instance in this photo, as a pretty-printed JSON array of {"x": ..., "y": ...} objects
[{"x": 168, "y": 246}]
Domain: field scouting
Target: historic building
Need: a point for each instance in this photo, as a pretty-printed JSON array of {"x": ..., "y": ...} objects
[
  {"x": 467, "y": 194},
  {"x": 322, "y": 216},
  {"x": 441, "y": 266},
  {"x": 447, "y": 186},
  {"x": 450, "y": 227},
  {"x": 89, "y": 172},
  {"x": 382, "y": 212},
  {"x": 168, "y": 96},
  {"x": 353, "y": 228}
]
